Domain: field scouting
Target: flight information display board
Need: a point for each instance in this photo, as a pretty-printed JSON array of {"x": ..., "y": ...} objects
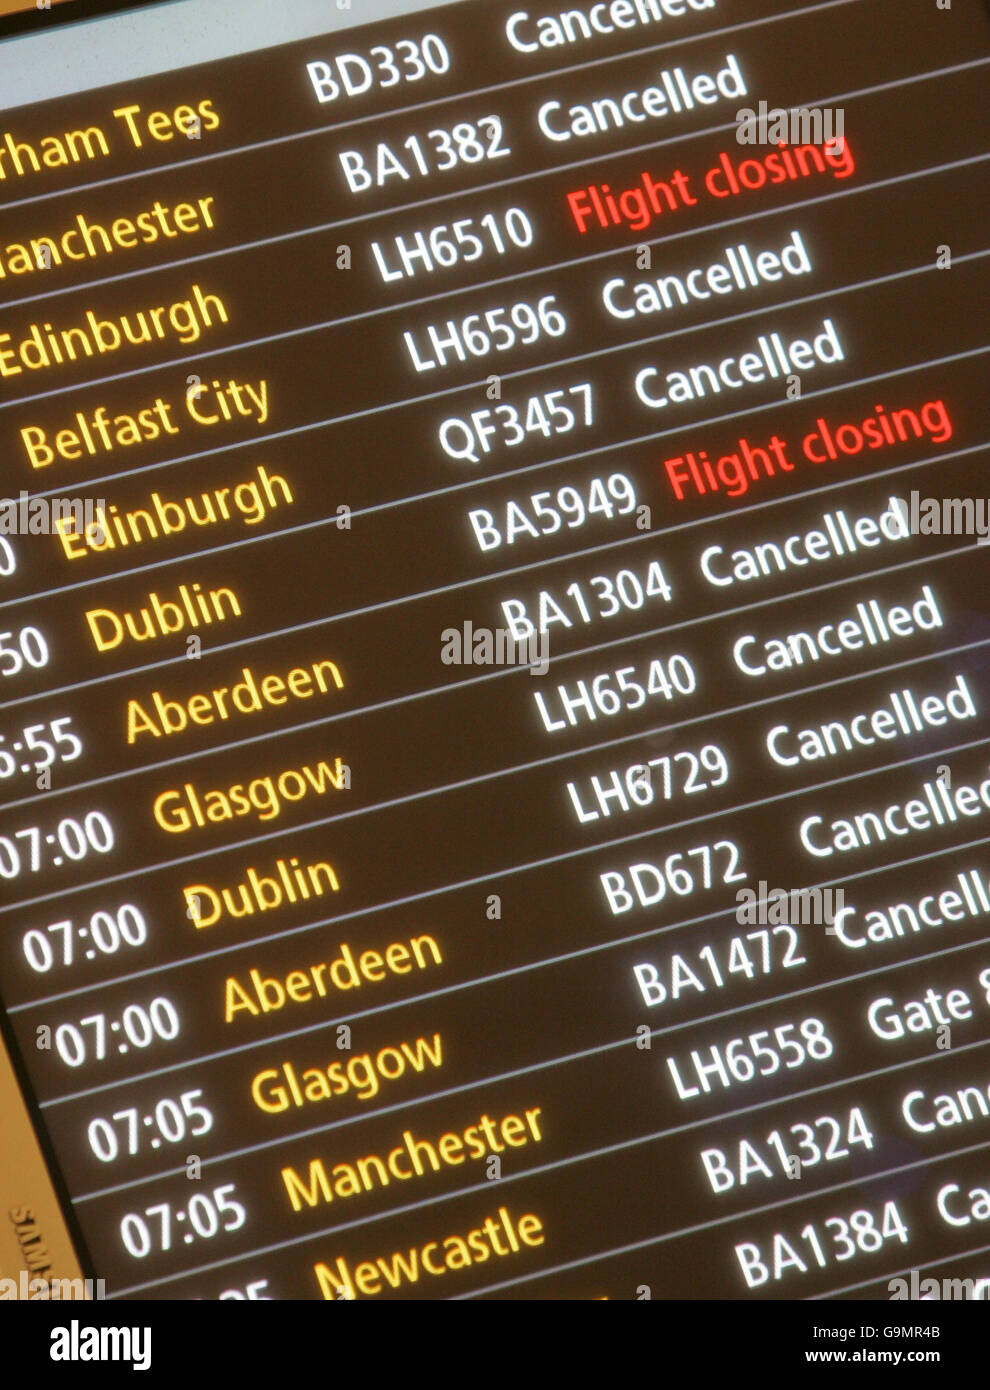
[{"x": 495, "y": 658}]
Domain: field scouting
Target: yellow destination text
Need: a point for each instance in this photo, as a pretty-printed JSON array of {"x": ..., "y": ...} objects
[
  {"x": 249, "y": 502},
  {"x": 276, "y": 1090},
  {"x": 411, "y": 1158},
  {"x": 189, "y": 607},
  {"x": 249, "y": 695},
  {"x": 86, "y": 240},
  {"x": 19, "y": 158},
  {"x": 263, "y": 797},
  {"x": 43, "y": 345},
  {"x": 499, "y": 1236},
  {"x": 98, "y": 432},
  {"x": 286, "y": 882},
  {"x": 263, "y": 994}
]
